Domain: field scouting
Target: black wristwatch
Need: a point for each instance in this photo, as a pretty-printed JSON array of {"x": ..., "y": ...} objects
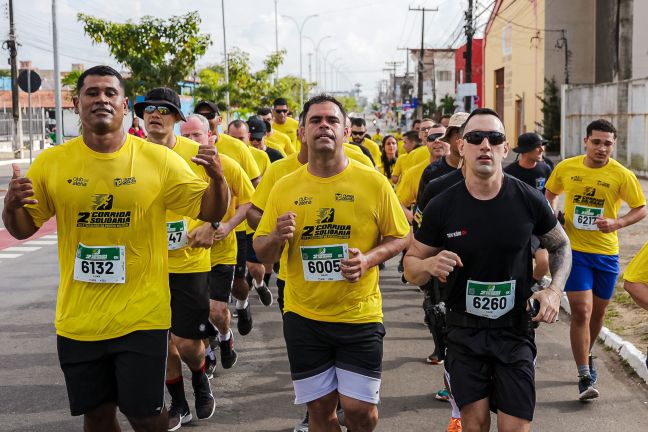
[{"x": 215, "y": 225}]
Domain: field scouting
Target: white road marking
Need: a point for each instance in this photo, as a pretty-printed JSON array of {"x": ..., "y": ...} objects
[
  {"x": 50, "y": 237},
  {"x": 41, "y": 242},
  {"x": 20, "y": 249},
  {"x": 14, "y": 255}
]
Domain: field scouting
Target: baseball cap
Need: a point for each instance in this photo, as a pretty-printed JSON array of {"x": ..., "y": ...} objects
[
  {"x": 257, "y": 128},
  {"x": 159, "y": 96},
  {"x": 529, "y": 141},
  {"x": 456, "y": 121},
  {"x": 210, "y": 105}
]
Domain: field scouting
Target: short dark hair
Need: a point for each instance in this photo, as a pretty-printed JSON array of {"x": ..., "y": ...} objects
[
  {"x": 358, "y": 121},
  {"x": 415, "y": 122},
  {"x": 236, "y": 123},
  {"x": 479, "y": 111},
  {"x": 445, "y": 116},
  {"x": 263, "y": 111},
  {"x": 279, "y": 101},
  {"x": 601, "y": 125},
  {"x": 412, "y": 135},
  {"x": 318, "y": 99},
  {"x": 101, "y": 70}
]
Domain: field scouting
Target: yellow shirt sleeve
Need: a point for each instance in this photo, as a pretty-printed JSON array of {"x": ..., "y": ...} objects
[{"x": 183, "y": 194}]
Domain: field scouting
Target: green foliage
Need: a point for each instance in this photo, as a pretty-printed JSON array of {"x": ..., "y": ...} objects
[
  {"x": 5, "y": 73},
  {"x": 71, "y": 79},
  {"x": 349, "y": 103},
  {"x": 158, "y": 52},
  {"x": 551, "y": 114},
  {"x": 447, "y": 105},
  {"x": 249, "y": 90}
]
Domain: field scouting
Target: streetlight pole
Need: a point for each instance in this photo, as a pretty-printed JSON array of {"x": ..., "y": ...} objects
[
  {"x": 226, "y": 68},
  {"x": 300, "y": 29},
  {"x": 276, "y": 40},
  {"x": 324, "y": 64},
  {"x": 317, "y": 62}
]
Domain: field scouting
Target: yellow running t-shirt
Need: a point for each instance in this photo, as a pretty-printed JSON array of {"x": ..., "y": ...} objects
[
  {"x": 280, "y": 141},
  {"x": 352, "y": 209},
  {"x": 110, "y": 211},
  {"x": 237, "y": 150},
  {"x": 637, "y": 270},
  {"x": 590, "y": 193},
  {"x": 374, "y": 149},
  {"x": 182, "y": 258},
  {"x": 289, "y": 128},
  {"x": 261, "y": 158},
  {"x": 408, "y": 184}
]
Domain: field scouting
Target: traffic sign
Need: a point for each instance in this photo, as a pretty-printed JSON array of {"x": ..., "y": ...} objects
[{"x": 29, "y": 81}]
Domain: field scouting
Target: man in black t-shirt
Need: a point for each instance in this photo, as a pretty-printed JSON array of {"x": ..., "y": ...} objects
[
  {"x": 532, "y": 169},
  {"x": 476, "y": 237}
]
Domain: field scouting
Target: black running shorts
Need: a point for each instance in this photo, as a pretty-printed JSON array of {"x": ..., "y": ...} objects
[
  {"x": 189, "y": 304},
  {"x": 220, "y": 282},
  {"x": 128, "y": 370},
  {"x": 281, "y": 284},
  {"x": 251, "y": 254},
  {"x": 241, "y": 254},
  {"x": 498, "y": 364}
]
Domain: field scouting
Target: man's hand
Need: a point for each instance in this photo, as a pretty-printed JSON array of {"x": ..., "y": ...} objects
[
  {"x": 224, "y": 228},
  {"x": 285, "y": 228},
  {"x": 202, "y": 236},
  {"x": 442, "y": 264},
  {"x": 607, "y": 225},
  {"x": 549, "y": 299},
  {"x": 354, "y": 267},
  {"x": 20, "y": 189},
  {"x": 208, "y": 158}
]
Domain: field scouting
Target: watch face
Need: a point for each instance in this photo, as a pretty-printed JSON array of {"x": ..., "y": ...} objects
[{"x": 215, "y": 225}]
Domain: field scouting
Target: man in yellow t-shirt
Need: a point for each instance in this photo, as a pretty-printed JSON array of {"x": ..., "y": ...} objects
[
  {"x": 110, "y": 192},
  {"x": 282, "y": 123},
  {"x": 377, "y": 137},
  {"x": 223, "y": 250},
  {"x": 188, "y": 249},
  {"x": 411, "y": 141},
  {"x": 594, "y": 185},
  {"x": 337, "y": 221},
  {"x": 636, "y": 279},
  {"x": 275, "y": 139},
  {"x": 368, "y": 147}
]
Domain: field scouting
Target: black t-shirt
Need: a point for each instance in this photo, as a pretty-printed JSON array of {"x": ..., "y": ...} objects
[
  {"x": 436, "y": 169},
  {"x": 273, "y": 154},
  {"x": 535, "y": 177},
  {"x": 434, "y": 188},
  {"x": 492, "y": 237},
  {"x": 549, "y": 162}
]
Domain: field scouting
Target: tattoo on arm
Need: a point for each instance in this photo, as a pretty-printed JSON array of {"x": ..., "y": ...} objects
[{"x": 557, "y": 243}]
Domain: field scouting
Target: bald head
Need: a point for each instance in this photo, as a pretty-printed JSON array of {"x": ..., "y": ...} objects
[{"x": 196, "y": 128}]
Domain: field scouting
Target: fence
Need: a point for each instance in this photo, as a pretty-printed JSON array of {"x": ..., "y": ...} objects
[
  {"x": 624, "y": 103},
  {"x": 39, "y": 124}
]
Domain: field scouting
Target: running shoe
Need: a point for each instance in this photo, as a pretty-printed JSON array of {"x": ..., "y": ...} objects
[
  {"x": 340, "y": 416},
  {"x": 592, "y": 369},
  {"x": 244, "y": 322},
  {"x": 454, "y": 425},
  {"x": 302, "y": 426},
  {"x": 442, "y": 395},
  {"x": 210, "y": 366},
  {"x": 205, "y": 403},
  {"x": 586, "y": 388},
  {"x": 227, "y": 352},
  {"x": 264, "y": 294},
  {"x": 179, "y": 414},
  {"x": 433, "y": 359}
]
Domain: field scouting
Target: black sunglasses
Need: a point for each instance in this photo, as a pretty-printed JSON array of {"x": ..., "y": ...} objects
[
  {"x": 477, "y": 137},
  {"x": 281, "y": 111},
  {"x": 434, "y": 136},
  {"x": 163, "y": 110},
  {"x": 358, "y": 132},
  {"x": 208, "y": 115}
]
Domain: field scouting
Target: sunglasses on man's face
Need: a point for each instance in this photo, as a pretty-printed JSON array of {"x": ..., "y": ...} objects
[
  {"x": 163, "y": 110},
  {"x": 477, "y": 137},
  {"x": 208, "y": 115},
  {"x": 361, "y": 133},
  {"x": 281, "y": 111},
  {"x": 434, "y": 136}
]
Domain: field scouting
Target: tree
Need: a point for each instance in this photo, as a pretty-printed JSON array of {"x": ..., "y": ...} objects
[
  {"x": 551, "y": 114},
  {"x": 159, "y": 53},
  {"x": 70, "y": 80},
  {"x": 349, "y": 103}
]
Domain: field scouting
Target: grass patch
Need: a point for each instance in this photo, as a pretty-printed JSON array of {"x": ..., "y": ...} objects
[{"x": 623, "y": 298}]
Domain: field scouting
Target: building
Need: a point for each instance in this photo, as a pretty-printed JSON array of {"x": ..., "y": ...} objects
[
  {"x": 477, "y": 68},
  {"x": 438, "y": 73}
]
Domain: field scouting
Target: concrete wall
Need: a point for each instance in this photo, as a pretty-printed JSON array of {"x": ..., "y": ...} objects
[{"x": 639, "y": 38}]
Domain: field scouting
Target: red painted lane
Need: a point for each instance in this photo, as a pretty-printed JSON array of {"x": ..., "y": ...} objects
[{"x": 7, "y": 241}]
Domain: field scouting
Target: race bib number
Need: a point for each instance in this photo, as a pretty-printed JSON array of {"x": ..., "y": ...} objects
[
  {"x": 322, "y": 263},
  {"x": 100, "y": 264},
  {"x": 585, "y": 217},
  {"x": 490, "y": 299},
  {"x": 177, "y": 234}
]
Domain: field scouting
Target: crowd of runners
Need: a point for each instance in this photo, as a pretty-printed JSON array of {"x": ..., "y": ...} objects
[{"x": 163, "y": 236}]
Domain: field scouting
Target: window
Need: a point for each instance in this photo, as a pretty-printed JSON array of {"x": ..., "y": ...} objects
[{"x": 444, "y": 76}]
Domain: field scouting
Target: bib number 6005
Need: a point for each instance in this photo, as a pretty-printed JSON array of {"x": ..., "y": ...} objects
[{"x": 328, "y": 266}]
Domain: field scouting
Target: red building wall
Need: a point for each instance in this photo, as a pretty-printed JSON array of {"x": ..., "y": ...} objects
[{"x": 477, "y": 67}]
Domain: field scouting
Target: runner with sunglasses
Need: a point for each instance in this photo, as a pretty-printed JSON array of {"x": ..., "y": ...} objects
[
  {"x": 418, "y": 154},
  {"x": 283, "y": 123},
  {"x": 189, "y": 267},
  {"x": 594, "y": 185},
  {"x": 357, "y": 135},
  {"x": 476, "y": 237}
]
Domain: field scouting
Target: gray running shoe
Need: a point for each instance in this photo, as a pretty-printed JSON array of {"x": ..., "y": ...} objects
[{"x": 586, "y": 388}]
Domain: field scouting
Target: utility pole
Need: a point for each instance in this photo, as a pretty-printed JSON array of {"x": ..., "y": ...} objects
[
  {"x": 468, "y": 54},
  {"x": 276, "y": 40},
  {"x": 310, "y": 67},
  {"x": 392, "y": 68},
  {"x": 58, "y": 110},
  {"x": 561, "y": 43},
  {"x": 420, "y": 67},
  {"x": 226, "y": 68},
  {"x": 10, "y": 45}
]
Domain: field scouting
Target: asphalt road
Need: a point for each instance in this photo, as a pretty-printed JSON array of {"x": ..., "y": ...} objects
[{"x": 256, "y": 395}]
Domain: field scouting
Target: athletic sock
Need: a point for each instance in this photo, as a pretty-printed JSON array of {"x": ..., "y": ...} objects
[
  {"x": 209, "y": 353},
  {"x": 197, "y": 375},
  {"x": 224, "y": 337},
  {"x": 266, "y": 278},
  {"x": 241, "y": 304},
  {"x": 255, "y": 284},
  {"x": 583, "y": 370},
  {"x": 176, "y": 390}
]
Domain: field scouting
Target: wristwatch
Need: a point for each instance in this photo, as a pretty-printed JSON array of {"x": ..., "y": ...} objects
[{"x": 215, "y": 225}]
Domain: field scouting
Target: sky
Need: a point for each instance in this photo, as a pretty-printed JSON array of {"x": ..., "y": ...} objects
[{"x": 364, "y": 34}]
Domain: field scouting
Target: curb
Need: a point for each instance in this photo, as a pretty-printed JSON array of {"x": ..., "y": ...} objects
[
  {"x": 626, "y": 350},
  {"x": 12, "y": 161}
]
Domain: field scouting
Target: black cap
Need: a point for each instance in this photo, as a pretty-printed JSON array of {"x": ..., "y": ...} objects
[
  {"x": 210, "y": 105},
  {"x": 159, "y": 96},
  {"x": 257, "y": 127},
  {"x": 529, "y": 141}
]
